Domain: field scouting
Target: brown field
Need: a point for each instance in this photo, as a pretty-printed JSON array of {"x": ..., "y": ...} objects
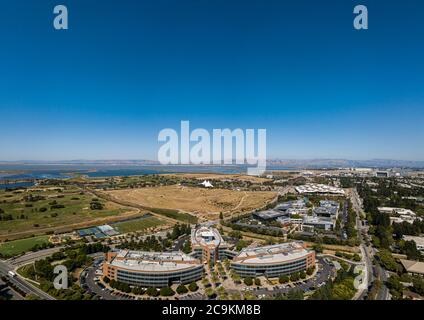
[
  {"x": 204, "y": 203},
  {"x": 216, "y": 176}
]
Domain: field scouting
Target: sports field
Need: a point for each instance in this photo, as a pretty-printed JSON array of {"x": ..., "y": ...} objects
[{"x": 19, "y": 246}]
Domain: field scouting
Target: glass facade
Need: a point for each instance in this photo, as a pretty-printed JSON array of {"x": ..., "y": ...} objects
[
  {"x": 160, "y": 279},
  {"x": 271, "y": 271}
]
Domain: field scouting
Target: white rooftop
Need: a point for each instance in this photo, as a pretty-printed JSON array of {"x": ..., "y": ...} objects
[
  {"x": 206, "y": 236},
  {"x": 272, "y": 254},
  {"x": 153, "y": 261},
  {"x": 319, "y": 188}
]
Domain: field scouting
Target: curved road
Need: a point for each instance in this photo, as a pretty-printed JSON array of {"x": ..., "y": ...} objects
[{"x": 24, "y": 285}]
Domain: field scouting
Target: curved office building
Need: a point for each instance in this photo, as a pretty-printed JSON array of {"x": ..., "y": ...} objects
[
  {"x": 152, "y": 269},
  {"x": 273, "y": 261},
  {"x": 209, "y": 246}
]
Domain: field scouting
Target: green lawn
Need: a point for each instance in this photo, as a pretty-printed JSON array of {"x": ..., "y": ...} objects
[
  {"x": 138, "y": 224},
  {"x": 16, "y": 247},
  {"x": 42, "y": 213}
]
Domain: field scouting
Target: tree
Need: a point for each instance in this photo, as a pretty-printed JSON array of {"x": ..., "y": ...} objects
[
  {"x": 418, "y": 285},
  {"x": 193, "y": 287},
  {"x": 302, "y": 275},
  {"x": 386, "y": 259},
  {"x": 248, "y": 281},
  {"x": 317, "y": 248},
  {"x": 210, "y": 292},
  {"x": 166, "y": 292},
  {"x": 283, "y": 279},
  {"x": 295, "y": 294},
  {"x": 152, "y": 292},
  {"x": 181, "y": 289},
  {"x": 137, "y": 291},
  {"x": 187, "y": 247},
  {"x": 96, "y": 205},
  {"x": 257, "y": 282},
  {"x": 294, "y": 277},
  {"x": 241, "y": 244},
  {"x": 395, "y": 286},
  {"x": 410, "y": 249}
]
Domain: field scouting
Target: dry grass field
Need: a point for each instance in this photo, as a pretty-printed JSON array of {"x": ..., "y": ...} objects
[{"x": 204, "y": 203}]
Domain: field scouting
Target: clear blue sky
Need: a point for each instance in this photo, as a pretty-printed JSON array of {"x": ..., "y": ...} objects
[{"x": 127, "y": 69}]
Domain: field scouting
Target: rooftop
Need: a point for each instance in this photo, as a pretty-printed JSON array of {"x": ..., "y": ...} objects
[
  {"x": 206, "y": 236},
  {"x": 399, "y": 211},
  {"x": 272, "y": 254},
  {"x": 319, "y": 188},
  {"x": 413, "y": 266},
  {"x": 418, "y": 240},
  {"x": 153, "y": 261},
  {"x": 269, "y": 214}
]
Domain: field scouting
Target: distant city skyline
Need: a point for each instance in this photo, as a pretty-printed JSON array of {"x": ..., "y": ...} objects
[{"x": 126, "y": 70}]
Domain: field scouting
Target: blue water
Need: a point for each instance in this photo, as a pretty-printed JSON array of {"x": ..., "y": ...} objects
[
  {"x": 31, "y": 172},
  {"x": 160, "y": 170},
  {"x": 16, "y": 185}
]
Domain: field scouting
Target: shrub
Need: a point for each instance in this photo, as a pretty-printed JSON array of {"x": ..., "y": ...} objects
[
  {"x": 151, "y": 292},
  {"x": 283, "y": 279},
  {"x": 295, "y": 277},
  {"x": 193, "y": 287},
  {"x": 248, "y": 281},
  {"x": 181, "y": 289},
  {"x": 166, "y": 292},
  {"x": 96, "y": 205}
]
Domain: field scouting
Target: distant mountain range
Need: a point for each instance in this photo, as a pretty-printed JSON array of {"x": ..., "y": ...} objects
[
  {"x": 344, "y": 163},
  {"x": 283, "y": 163}
]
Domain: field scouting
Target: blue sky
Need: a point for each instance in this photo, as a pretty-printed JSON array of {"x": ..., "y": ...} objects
[{"x": 127, "y": 69}]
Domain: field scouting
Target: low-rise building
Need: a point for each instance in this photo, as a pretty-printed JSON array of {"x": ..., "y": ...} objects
[
  {"x": 322, "y": 223},
  {"x": 419, "y": 241},
  {"x": 268, "y": 215},
  {"x": 273, "y": 261},
  {"x": 413, "y": 267},
  {"x": 152, "y": 269},
  {"x": 399, "y": 215},
  {"x": 314, "y": 188}
]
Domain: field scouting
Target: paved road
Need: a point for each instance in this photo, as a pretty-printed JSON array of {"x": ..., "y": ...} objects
[
  {"x": 87, "y": 282},
  {"x": 31, "y": 257},
  {"x": 24, "y": 285},
  {"x": 365, "y": 251},
  {"x": 368, "y": 252}
]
